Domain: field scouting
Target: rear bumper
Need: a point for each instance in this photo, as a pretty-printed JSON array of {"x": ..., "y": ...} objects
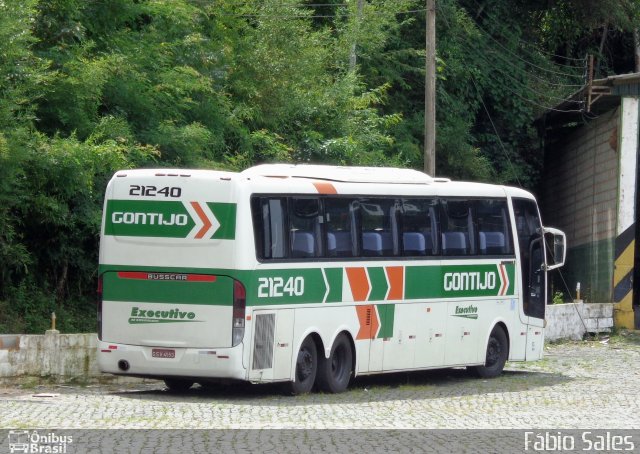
[{"x": 188, "y": 362}]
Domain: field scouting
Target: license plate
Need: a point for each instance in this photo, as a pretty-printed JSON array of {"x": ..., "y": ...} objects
[{"x": 163, "y": 353}]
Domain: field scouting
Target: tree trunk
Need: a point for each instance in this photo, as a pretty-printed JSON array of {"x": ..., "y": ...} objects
[{"x": 61, "y": 284}]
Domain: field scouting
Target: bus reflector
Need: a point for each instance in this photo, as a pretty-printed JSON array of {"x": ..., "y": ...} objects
[{"x": 239, "y": 308}]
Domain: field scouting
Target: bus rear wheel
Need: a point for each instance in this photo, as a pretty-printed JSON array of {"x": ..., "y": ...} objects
[
  {"x": 334, "y": 373},
  {"x": 306, "y": 368},
  {"x": 178, "y": 385},
  {"x": 497, "y": 354}
]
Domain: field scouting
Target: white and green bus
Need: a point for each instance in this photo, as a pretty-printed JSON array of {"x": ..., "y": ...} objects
[{"x": 312, "y": 275}]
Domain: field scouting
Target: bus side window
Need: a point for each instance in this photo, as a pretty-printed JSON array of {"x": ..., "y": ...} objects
[
  {"x": 305, "y": 227},
  {"x": 268, "y": 227},
  {"x": 458, "y": 236},
  {"x": 492, "y": 221},
  {"x": 419, "y": 226},
  {"x": 377, "y": 217},
  {"x": 339, "y": 227}
]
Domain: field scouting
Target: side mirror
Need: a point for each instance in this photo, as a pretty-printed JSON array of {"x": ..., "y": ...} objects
[{"x": 556, "y": 242}]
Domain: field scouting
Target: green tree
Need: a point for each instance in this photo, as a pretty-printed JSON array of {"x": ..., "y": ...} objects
[{"x": 87, "y": 87}]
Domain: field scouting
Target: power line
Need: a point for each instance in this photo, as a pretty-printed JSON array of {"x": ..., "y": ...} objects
[
  {"x": 472, "y": 45},
  {"x": 507, "y": 88},
  {"x": 480, "y": 28},
  {"x": 318, "y": 16},
  {"x": 504, "y": 149},
  {"x": 559, "y": 73},
  {"x": 524, "y": 73},
  {"x": 495, "y": 20},
  {"x": 509, "y": 60},
  {"x": 541, "y": 105}
]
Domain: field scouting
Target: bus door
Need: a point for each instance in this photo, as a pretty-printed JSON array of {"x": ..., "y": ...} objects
[{"x": 533, "y": 273}]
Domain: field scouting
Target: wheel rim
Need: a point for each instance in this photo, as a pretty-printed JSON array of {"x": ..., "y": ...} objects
[
  {"x": 494, "y": 352},
  {"x": 304, "y": 364}
]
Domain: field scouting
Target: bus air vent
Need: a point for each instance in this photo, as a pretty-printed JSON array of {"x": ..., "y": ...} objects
[{"x": 263, "y": 341}]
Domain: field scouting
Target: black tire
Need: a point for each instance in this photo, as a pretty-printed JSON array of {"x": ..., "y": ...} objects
[
  {"x": 334, "y": 373},
  {"x": 178, "y": 385},
  {"x": 497, "y": 354},
  {"x": 306, "y": 368}
]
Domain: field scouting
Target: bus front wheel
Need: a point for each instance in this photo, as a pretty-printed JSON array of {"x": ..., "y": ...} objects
[
  {"x": 497, "y": 354},
  {"x": 306, "y": 368},
  {"x": 334, "y": 373}
]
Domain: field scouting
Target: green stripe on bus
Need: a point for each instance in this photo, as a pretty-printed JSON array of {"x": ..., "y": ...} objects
[
  {"x": 307, "y": 285},
  {"x": 148, "y": 218},
  {"x": 511, "y": 272},
  {"x": 379, "y": 285},
  {"x": 225, "y": 213},
  {"x": 334, "y": 280},
  {"x": 217, "y": 293},
  {"x": 387, "y": 316},
  {"x": 454, "y": 281},
  {"x": 286, "y": 286},
  {"x": 168, "y": 219}
]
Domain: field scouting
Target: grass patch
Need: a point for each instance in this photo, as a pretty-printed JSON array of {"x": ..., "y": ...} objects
[{"x": 625, "y": 337}]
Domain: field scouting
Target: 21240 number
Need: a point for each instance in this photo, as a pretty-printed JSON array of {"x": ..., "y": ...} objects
[
  {"x": 152, "y": 191},
  {"x": 277, "y": 286}
]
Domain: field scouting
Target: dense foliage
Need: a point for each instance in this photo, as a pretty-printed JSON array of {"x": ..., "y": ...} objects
[{"x": 91, "y": 86}]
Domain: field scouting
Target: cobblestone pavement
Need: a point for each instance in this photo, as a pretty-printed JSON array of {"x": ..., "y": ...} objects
[{"x": 592, "y": 384}]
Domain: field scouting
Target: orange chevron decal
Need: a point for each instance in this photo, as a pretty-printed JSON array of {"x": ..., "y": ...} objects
[
  {"x": 504, "y": 278},
  {"x": 359, "y": 283},
  {"x": 368, "y": 320},
  {"x": 325, "y": 188},
  {"x": 203, "y": 217},
  {"x": 395, "y": 274}
]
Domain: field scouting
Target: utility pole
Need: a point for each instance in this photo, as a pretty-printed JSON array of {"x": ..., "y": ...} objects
[
  {"x": 352, "y": 54},
  {"x": 636, "y": 47},
  {"x": 430, "y": 91}
]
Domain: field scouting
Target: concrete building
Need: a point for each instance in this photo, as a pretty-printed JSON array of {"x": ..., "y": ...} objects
[{"x": 589, "y": 189}]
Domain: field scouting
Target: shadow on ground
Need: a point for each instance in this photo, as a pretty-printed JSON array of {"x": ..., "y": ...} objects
[{"x": 430, "y": 384}]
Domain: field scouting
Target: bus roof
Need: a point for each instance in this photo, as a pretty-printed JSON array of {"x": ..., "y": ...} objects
[
  {"x": 347, "y": 180},
  {"x": 340, "y": 173},
  {"x": 353, "y": 178}
]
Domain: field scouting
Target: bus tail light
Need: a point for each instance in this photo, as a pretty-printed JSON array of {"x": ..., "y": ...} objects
[
  {"x": 239, "y": 309},
  {"x": 99, "y": 308}
]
